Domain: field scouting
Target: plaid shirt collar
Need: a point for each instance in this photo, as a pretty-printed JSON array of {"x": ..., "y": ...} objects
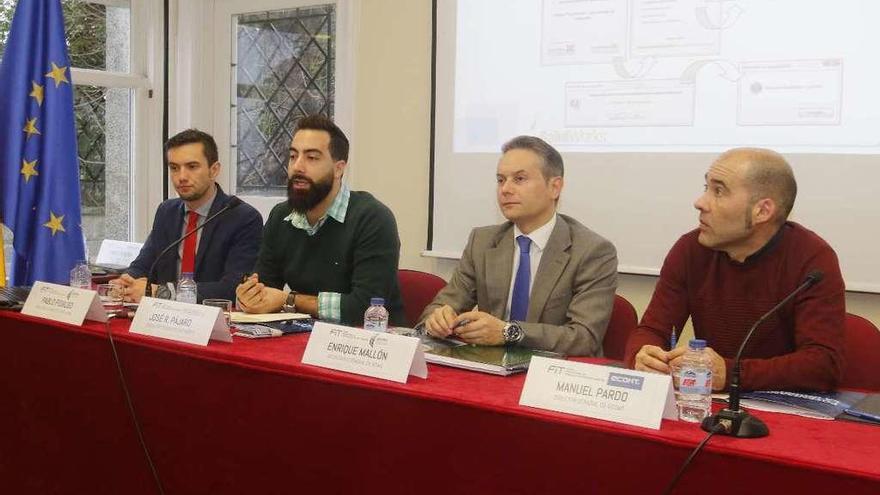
[{"x": 337, "y": 211}]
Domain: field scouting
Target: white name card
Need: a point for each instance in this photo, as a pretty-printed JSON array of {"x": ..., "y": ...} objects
[
  {"x": 363, "y": 352},
  {"x": 117, "y": 253},
  {"x": 603, "y": 392},
  {"x": 63, "y": 303},
  {"x": 183, "y": 322}
]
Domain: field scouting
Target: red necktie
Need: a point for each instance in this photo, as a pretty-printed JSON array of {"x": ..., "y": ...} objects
[{"x": 188, "y": 262}]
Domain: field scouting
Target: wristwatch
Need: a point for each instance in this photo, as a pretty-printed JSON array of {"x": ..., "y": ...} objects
[
  {"x": 289, "y": 305},
  {"x": 513, "y": 333}
]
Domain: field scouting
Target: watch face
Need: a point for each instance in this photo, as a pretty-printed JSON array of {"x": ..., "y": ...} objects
[{"x": 512, "y": 333}]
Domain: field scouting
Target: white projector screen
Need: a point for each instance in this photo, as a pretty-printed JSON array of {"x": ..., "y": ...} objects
[{"x": 641, "y": 95}]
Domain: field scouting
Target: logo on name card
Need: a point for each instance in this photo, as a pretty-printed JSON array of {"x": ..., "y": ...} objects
[
  {"x": 557, "y": 369},
  {"x": 379, "y": 340},
  {"x": 67, "y": 293},
  {"x": 625, "y": 381},
  {"x": 554, "y": 369}
]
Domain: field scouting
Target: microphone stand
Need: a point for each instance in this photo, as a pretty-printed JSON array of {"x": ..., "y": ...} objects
[
  {"x": 733, "y": 421},
  {"x": 233, "y": 202}
]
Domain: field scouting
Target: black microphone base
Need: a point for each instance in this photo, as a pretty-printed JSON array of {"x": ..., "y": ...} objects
[{"x": 738, "y": 424}]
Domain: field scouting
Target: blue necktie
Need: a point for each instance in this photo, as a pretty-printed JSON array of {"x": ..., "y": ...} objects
[{"x": 519, "y": 301}]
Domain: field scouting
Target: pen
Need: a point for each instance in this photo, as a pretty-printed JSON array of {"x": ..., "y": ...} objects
[
  {"x": 673, "y": 340},
  {"x": 461, "y": 323},
  {"x": 457, "y": 325},
  {"x": 862, "y": 414}
]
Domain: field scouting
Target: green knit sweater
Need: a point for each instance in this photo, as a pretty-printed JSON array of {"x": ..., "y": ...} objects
[{"x": 357, "y": 258}]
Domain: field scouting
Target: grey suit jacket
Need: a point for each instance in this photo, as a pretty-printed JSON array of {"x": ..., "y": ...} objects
[{"x": 571, "y": 297}]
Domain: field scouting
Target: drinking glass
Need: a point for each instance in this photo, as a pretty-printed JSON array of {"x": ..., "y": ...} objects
[
  {"x": 225, "y": 306},
  {"x": 111, "y": 298}
]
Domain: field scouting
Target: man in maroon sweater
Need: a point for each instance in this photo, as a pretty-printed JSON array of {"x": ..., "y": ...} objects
[{"x": 743, "y": 259}]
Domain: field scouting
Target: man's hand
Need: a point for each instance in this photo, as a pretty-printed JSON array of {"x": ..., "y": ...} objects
[
  {"x": 719, "y": 366},
  {"x": 255, "y": 297},
  {"x": 652, "y": 359},
  {"x": 132, "y": 288},
  {"x": 477, "y": 327},
  {"x": 440, "y": 322}
]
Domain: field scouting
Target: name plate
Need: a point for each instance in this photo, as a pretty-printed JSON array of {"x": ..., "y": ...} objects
[
  {"x": 63, "y": 303},
  {"x": 363, "y": 352},
  {"x": 602, "y": 392},
  {"x": 117, "y": 253},
  {"x": 183, "y": 322}
]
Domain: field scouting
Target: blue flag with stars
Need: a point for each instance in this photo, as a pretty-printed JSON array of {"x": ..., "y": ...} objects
[{"x": 39, "y": 172}]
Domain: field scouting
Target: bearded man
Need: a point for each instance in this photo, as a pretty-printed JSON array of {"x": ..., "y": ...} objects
[{"x": 332, "y": 247}]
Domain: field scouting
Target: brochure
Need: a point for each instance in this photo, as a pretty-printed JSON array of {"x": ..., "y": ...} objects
[{"x": 496, "y": 360}]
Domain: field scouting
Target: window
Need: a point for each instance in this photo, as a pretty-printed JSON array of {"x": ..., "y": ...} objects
[
  {"x": 283, "y": 68},
  {"x": 106, "y": 41}
]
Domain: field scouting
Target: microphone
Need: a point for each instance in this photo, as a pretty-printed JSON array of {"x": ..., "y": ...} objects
[
  {"x": 733, "y": 421},
  {"x": 234, "y": 201}
]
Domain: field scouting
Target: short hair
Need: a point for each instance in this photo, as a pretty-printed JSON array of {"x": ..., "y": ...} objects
[
  {"x": 551, "y": 160},
  {"x": 768, "y": 175},
  {"x": 191, "y": 136},
  {"x": 338, "y": 141}
]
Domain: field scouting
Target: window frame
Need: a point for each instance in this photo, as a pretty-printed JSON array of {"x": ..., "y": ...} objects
[
  {"x": 144, "y": 80},
  {"x": 220, "y": 113}
]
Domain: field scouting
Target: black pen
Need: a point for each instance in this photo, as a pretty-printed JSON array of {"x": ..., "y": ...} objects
[
  {"x": 862, "y": 415},
  {"x": 461, "y": 323}
]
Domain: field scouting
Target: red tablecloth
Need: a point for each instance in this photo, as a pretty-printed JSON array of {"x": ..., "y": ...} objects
[{"x": 247, "y": 417}]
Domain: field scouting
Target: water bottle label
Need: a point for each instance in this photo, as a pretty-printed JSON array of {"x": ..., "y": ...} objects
[
  {"x": 695, "y": 382},
  {"x": 375, "y": 326}
]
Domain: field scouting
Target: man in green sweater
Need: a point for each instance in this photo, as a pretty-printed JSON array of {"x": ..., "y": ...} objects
[{"x": 334, "y": 248}]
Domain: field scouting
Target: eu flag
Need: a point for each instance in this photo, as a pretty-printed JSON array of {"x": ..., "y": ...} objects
[{"x": 39, "y": 173}]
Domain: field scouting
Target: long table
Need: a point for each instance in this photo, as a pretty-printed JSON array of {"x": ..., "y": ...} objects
[{"x": 248, "y": 417}]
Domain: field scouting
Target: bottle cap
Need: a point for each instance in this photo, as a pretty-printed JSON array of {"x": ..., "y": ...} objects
[
  {"x": 377, "y": 301},
  {"x": 697, "y": 344}
]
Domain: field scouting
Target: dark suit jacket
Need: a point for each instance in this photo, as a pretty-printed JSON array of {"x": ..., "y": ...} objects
[
  {"x": 226, "y": 251},
  {"x": 572, "y": 296}
]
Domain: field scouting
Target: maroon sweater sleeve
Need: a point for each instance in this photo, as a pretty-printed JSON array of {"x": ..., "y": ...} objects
[
  {"x": 668, "y": 307},
  {"x": 819, "y": 318}
]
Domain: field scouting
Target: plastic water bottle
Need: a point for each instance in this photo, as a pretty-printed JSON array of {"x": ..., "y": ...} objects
[
  {"x": 81, "y": 276},
  {"x": 187, "y": 289},
  {"x": 695, "y": 383},
  {"x": 376, "y": 316}
]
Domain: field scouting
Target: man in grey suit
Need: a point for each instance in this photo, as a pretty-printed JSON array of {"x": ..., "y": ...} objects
[{"x": 541, "y": 280}]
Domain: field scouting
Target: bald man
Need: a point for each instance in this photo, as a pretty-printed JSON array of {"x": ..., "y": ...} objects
[{"x": 743, "y": 259}]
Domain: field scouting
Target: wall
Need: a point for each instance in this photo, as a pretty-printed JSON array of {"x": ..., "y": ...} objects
[{"x": 392, "y": 134}]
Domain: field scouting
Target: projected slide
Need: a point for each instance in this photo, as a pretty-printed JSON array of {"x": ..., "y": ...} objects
[
  {"x": 572, "y": 34},
  {"x": 629, "y": 103},
  {"x": 647, "y": 75}
]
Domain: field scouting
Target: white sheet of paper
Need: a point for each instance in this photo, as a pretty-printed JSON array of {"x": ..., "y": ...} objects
[
  {"x": 117, "y": 253},
  {"x": 363, "y": 352},
  {"x": 242, "y": 317},
  {"x": 183, "y": 322},
  {"x": 63, "y": 303},
  {"x": 602, "y": 392}
]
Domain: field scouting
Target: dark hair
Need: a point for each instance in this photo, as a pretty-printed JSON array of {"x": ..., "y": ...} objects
[
  {"x": 191, "y": 136},
  {"x": 338, "y": 141},
  {"x": 551, "y": 165}
]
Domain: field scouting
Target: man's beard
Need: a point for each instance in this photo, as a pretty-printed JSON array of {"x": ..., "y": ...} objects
[{"x": 303, "y": 201}]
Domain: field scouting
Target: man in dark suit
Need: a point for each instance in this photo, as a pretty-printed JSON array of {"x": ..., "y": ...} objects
[
  {"x": 217, "y": 255},
  {"x": 541, "y": 280}
]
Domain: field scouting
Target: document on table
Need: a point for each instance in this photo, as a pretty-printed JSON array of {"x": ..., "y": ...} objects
[{"x": 242, "y": 317}]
